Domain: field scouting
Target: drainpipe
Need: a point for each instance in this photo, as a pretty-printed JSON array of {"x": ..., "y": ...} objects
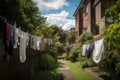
[{"x": 92, "y": 15}]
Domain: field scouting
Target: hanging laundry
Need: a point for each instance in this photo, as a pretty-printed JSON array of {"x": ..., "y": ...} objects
[
  {"x": 51, "y": 41},
  {"x": 46, "y": 41},
  {"x": 13, "y": 34},
  {"x": 23, "y": 40},
  {"x": 42, "y": 44},
  {"x": 28, "y": 39},
  {"x": 84, "y": 47},
  {"x": 38, "y": 43},
  {"x": 35, "y": 42},
  {"x": 87, "y": 47},
  {"x": 31, "y": 41},
  {"x": 9, "y": 36},
  {"x": 16, "y": 38},
  {"x": 90, "y": 50},
  {"x": 98, "y": 52}
]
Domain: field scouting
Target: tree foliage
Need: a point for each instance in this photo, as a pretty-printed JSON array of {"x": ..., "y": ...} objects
[
  {"x": 112, "y": 42},
  {"x": 54, "y": 32},
  {"x": 114, "y": 11},
  {"x": 85, "y": 36},
  {"x": 71, "y": 36},
  {"x": 24, "y": 12}
]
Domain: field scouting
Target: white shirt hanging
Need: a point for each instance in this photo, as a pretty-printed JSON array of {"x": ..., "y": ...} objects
[
  {"x": 84, "y": 48},
  {"x": 38, "y": 43},
  {"x": 23, "y": 39},
  {"x": 16, "y": 38},
  {"x": 42, "y": 44},
  {"x": 98, "y": 52}
]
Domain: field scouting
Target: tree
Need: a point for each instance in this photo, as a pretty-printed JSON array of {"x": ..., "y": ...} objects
[
  {"x": 71, "y": 36},
  {"x": 24, "y": 12},
  {"x": 54, "y": 31}
]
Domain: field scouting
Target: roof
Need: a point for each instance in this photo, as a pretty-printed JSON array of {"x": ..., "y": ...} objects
[{"x": 79, "y": 6}]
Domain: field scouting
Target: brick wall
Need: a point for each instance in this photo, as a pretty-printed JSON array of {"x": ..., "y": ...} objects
[
  {"x": 86, "y": 18},
  {"x": 100, "y": 7},
  {"x": 78, "y": 24},
  {"x": 77, "y": 27}
]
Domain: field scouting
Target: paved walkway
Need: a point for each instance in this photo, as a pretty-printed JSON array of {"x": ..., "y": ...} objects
[{"x": 66, "y": 74}]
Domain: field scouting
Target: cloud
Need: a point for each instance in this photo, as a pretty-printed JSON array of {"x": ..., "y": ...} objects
[
  {"x": 60, "y": 19},
  {"x": 50, "y": 4},
  {"x": 70, "y": 24}
]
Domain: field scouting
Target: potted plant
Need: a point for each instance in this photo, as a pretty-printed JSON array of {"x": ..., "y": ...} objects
[{"x": 72, "y": 58}]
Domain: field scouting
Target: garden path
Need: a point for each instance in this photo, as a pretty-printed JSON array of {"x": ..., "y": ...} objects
[{"x": 66, "y": 74}]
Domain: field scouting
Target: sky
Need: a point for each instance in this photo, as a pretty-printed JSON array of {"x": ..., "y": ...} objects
[{"x": 59, "y": 12}]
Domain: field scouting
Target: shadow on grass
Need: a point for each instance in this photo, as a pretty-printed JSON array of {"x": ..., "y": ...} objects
[
  {"x": 46, "y": 75},
  {"x": 106, "y": 77}
]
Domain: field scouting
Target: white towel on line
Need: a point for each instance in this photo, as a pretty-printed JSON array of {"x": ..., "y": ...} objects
[{"x": 98, "y": 52}]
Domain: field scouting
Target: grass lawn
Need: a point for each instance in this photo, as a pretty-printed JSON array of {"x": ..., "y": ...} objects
[
  {"x": 47, "y": 75},
  {"x": 78, "y": 72}
]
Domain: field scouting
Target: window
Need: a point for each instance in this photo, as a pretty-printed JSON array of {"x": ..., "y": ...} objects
[{"x": 85, "y": 10}]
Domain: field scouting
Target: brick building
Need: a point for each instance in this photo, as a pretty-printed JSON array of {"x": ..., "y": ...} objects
[{"x": 90, "y": 16}]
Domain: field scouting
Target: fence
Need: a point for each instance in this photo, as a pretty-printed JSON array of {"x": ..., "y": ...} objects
[{"x": 12, "y": 69}]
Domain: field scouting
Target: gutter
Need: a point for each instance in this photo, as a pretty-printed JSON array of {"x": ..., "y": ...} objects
[{"x": 79, "y": 6}]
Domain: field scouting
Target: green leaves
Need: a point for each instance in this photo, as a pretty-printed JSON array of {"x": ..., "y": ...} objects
[
  {"x": 85, "y": 36},
  {"x": 47, "y": 62},
  {"x": 112, "y": 35},
  {"x": 71, "y": 36},
  {"x": 112, "y": 40},
  {"x": 24, "y": 12},
  {"x": 114, "y": 11}
]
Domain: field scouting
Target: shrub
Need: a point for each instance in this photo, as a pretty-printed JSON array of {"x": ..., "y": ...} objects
[
  {"x": 47, "y": 62},
  {"x": 84, "y": 64},
  {"x": 74, "y": 52},
  {"x": 85, "y": 36}
]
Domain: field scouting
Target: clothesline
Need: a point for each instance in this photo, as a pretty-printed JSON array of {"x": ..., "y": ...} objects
[
  {"x": 6, "y": 20},
  {"x": 96, "y": 50},
  {"x": 14, "y": 37}
]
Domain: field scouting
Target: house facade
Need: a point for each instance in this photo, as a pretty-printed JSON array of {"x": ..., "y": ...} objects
[{"x": 90, "y": 17}]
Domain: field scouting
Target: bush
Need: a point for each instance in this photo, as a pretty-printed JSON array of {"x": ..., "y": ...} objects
[
  {"x": 47, "y": 62},
  {"x": 51, "y": 50},
  {"x": 86, "y": 63},
  {"x": 74, "y": 52},
  {"x": 85, "y": 36}
]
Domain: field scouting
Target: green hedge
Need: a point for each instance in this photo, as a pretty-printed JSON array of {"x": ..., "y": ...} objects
[{"x": 47, "y": 62}]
